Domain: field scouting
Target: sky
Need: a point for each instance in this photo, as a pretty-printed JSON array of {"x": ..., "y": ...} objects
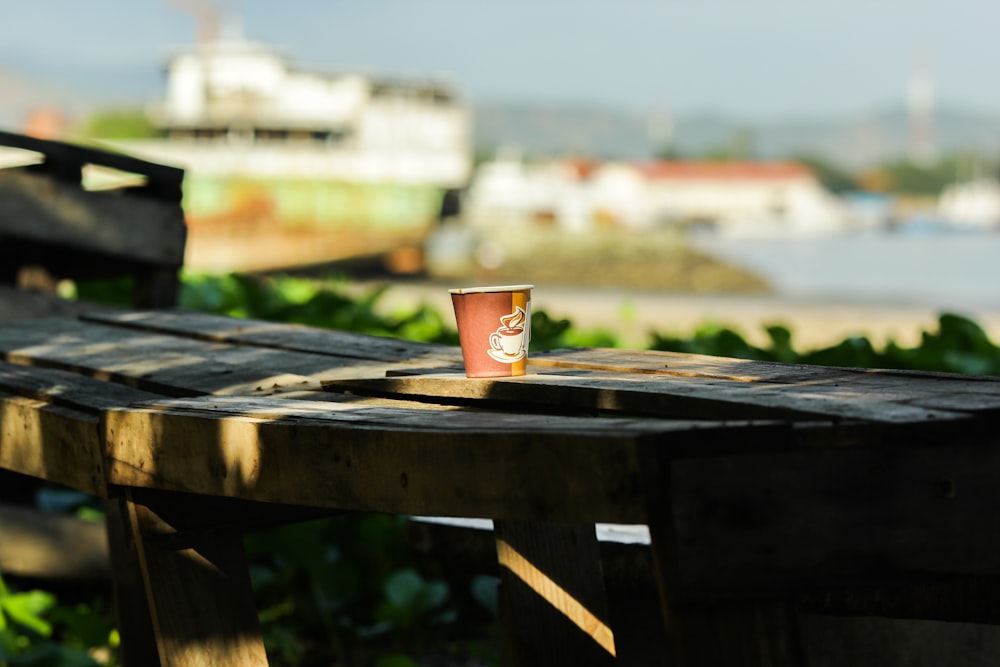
[{"x": 759, "y": 59}]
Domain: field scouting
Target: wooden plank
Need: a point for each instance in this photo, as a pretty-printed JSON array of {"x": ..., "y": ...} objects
[
  {"x": 678, "y": 364},
  {"x": 952, "y": 599},
  {"x": 816, "y": 392},
  {"x": 142, "y": 230},
  {"x": 748, "y": 633},
  {"x": 554, "y": 610},
  {"x": 23, "y": 304},
  {"x": 864, "y": 516},
  {"x": 673, "y": 397},
  {"x": 198, "y": 589},
  {"x": 52, "y": 546},
  {"x": 165, "y": 180},
  {"x": 174, "y": 365},
  {"x": 725, "y": 368},
  {"x": 132, "y": 612},
  {"x": 50, "y": 442},
  {"x": 742, "y": 634},
  {"x": 156, "y": 287},
  {"x": 449, "y": 463},
  {"x": 68, "y": 389},
  {"x": 285, "y": 337},
  {"x": 633, "y": 604}
]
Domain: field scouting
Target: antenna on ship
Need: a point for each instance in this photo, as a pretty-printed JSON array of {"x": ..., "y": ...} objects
[
  {"x": 206, "y": 15},
  {"x": 921, "y": 111}
]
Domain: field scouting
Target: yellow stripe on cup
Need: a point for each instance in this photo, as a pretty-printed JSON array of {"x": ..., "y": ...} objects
[{"x": 521, "y": 298}]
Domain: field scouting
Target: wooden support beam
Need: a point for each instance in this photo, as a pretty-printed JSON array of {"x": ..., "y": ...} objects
[
  {"x": 197, "y": 588},
  {"x": 552, "y": 600}
]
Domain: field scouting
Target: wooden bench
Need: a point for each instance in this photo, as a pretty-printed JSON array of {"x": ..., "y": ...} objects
[
  {"x": 51, "y": 228},
  {"x": 763, "y": 486},
  {"x": 126, "y": 222}
]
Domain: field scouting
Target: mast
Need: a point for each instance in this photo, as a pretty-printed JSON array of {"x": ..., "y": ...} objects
[{"x": 920, "y": 98}]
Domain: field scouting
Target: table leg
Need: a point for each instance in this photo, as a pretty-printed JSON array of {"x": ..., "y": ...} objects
[
  {"x": 138, "y": 641},
  {"x": 552, "y": 601},
  {"x": 197, "y": 588},
  {"x": 745, "y": 633}
]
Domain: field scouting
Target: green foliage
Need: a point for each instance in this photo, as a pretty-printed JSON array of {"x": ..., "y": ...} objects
[
  {"x": 112, "y": 291},
  {"x": 352, "y": 589},
  {"x": 908, "y": 178},
  {"x": 119, "y": 124},
  {"x": 958, "y": 346},
  {"x": 36, "y": 630},
  {"x": 833, "y": 178},
  {"x": 321, "y": 303}
]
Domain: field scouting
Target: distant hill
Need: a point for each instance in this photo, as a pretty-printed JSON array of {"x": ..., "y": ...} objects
[{"x": 852, "y": 142}]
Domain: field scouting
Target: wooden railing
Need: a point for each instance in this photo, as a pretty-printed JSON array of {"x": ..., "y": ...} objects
[{"x": 53, "y": 228}]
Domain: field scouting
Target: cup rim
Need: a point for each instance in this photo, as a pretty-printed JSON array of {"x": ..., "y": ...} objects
[{"x": 490, "y": 288}]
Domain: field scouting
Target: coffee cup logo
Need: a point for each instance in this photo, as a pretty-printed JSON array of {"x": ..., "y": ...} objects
[{"x": 507, "y": 342}]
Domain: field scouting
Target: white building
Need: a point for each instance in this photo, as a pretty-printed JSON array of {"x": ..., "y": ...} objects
[
  {"x": 737, "y": 198},
  {"x": 734, "y": 198},
  {"x": 509, "y": 191}
]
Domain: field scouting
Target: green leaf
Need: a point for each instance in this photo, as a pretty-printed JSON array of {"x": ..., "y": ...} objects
[
  {"x": 396, "y": 660},
  {"x": 26, "y": 609},
  {"x": 485, "y": 590},
  {"x": 405, "y": 588}
]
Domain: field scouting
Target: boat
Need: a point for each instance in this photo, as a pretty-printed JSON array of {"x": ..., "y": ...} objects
[
  {"x": 290, "y": 166},
  {"x": 971, "y": 205}
]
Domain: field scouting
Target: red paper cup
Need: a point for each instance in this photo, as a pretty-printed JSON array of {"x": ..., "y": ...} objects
[{"x": 494, "y": 329}]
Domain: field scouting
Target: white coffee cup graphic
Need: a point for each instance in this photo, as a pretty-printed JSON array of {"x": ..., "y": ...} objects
[{"x": 509, "y": 341}]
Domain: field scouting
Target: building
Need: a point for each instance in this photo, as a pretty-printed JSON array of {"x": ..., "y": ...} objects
[{"x": 733, "y": 198}]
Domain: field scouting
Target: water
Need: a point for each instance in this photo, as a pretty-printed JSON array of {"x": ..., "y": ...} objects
[{"x": 941, "y": 271}]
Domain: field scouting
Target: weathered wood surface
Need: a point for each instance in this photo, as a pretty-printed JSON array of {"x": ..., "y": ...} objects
[
  {"x": 37, "y": 208},
  {"x": 414, "y": 461},
  {"x": 336, "y": 360},
  {"x": 49, "y": 424},
  {"x": 66, "y": 161},
  {"x": 758, "y": 481},
  {"x": 198, "y": 590},
  {"x": 26, "y": 304},
  {"x": 280, "y": 336},
  {"x": 51, "y": 442},
  {"x": 552, "y": 596},
  {"x": 696, "y": 398},
  {"x": 175, "y": 365},
  {"x": 868, "y": 515},
  {"x": 132, "y": 611}
]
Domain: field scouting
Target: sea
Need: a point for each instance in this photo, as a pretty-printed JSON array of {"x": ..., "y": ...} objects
[{"x": 943, "y": 270}]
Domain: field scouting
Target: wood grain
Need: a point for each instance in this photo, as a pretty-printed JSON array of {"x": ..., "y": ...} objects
[
  {"x": 175, "y": 365},
  {"x": 552, "y": 599},
  {"x": 198, "y": 588},
  {"x": 164, "y": 181},
  {"x": 38, "y": 208},
  {"x": 449, "y": 463},
  {"x": 281, "y": 336},
  {"x": 686, "y": 397},
  {"x": 50, "y": 442}
]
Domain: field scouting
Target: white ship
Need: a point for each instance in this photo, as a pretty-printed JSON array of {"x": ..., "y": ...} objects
[{"x": 333, "y": 163}]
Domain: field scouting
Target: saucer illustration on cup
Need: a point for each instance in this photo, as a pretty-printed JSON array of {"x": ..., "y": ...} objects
[{"x": 507, "y": 342}]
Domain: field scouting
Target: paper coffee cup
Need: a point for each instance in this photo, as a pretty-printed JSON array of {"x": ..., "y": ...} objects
[{"x": 494, "y": 329}]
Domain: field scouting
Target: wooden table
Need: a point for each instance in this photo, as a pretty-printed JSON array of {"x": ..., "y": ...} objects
[{"x": 762, "y": 484}]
